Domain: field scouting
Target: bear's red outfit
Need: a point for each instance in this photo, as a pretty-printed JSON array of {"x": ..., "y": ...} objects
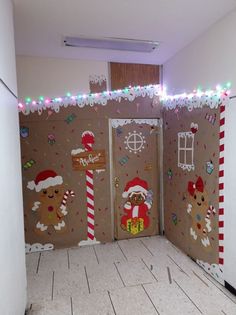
[{"x": 136, "y": 211}]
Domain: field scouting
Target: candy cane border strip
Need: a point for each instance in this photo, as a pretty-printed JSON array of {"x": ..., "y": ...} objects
[{"x": 221, "y": 184}]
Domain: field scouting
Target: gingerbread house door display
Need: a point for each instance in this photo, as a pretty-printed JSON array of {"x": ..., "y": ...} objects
[
  {"x": 135, "y": 177},
  {"x": 65, "y": 181}
]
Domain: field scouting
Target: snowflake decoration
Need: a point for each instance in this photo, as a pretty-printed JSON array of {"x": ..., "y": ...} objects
[{"x": 135, "y": 142}]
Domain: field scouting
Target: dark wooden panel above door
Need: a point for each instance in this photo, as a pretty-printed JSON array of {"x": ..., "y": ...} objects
[{"x": 131, "y": 74}]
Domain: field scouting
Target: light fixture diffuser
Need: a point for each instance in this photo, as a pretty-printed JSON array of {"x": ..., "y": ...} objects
[{"x": 112, "y": 43}]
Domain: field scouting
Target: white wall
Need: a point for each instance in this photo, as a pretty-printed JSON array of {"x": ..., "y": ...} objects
[
  {"x": 55, "y": 77},
  {"x": 12, "y": 253},
  {"x": 209, "y": 60}
]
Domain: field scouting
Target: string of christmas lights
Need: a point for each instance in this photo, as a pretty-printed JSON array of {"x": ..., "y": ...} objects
[
  {"x": 196, "y": 99},
  {"x": 82, "y": 100}
]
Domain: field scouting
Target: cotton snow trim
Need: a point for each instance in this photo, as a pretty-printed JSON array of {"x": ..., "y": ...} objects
[
  {"x": 91, "y": 99},
  {"x": 37, "y": 247},
  {"x": 192, "y": 101},
  {"x": 122, "y": 122}
]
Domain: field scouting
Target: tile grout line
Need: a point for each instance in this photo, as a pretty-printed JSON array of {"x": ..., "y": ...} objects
[
  {"x": 169, "y": 274},
  {"x": 95, "y": 254},
  {"x": 220, "y": 289},
  {"x": 178, "y": 251},
  {"x": 119, "y": 275},
  {"x": 113, "y": 307},
  {"x": 87, "y": 279},
  {"x": 37, "y": 269},
  {"x": 196, "y": 275},
  {"x": 177, "y": 265},
  {"x": 122, "y": 251},
  {"x": 53, "y": 273},
  {"x": 149, "y": 269},
  {"x": 68, "y": 258},
  {"x": 141, "y": 241},
  {"x": 150, "y": 299},
  {"x": 71, "y": 306},
  {"x": 188, "y": 297}
]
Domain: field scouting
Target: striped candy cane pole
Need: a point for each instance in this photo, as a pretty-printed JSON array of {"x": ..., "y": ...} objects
[
  {"x": 88, "y": 141},
  {"x": 221, "y": 185}
]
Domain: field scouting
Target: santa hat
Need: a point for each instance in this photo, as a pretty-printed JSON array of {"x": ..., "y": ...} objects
[
  {"x": 135, "y": 185},
  {"x": 44, "y": 180}
]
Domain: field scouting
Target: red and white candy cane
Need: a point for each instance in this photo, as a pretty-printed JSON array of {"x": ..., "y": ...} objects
[
  {"x": 88, "y": 141},
  {"x": 210, "y": 210},
  {"x": 64, "y": 201}
]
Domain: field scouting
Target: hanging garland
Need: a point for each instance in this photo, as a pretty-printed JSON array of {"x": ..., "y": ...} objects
[
  {"x": 88, "y": 99},
  {"x": 197, "y": 99}
]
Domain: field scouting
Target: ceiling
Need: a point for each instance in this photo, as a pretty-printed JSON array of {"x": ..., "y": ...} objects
[{"x": 40, "y": 26}]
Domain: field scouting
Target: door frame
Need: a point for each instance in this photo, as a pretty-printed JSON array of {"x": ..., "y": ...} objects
[{"x": 159, "y": 167}]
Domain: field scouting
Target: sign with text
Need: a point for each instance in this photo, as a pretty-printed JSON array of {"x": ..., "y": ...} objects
[{"x": 89, "y": 160}]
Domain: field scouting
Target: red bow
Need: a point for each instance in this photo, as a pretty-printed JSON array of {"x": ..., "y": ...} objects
[{"x": 199, "y": 185}]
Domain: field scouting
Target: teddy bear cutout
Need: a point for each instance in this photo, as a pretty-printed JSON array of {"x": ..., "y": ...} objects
[{"x": 136, "y": 207}]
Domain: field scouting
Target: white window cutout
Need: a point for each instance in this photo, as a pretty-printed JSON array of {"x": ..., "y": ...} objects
[{"x": 186, "y": 150}]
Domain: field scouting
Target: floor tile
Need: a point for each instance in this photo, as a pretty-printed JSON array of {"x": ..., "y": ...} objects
[
  {"x": 70, "y": 283},
  {"x": 82, "y": 256},
  {"x": 170, "y": 300},
  {"x": 39, "y": 287},
  {"x": 132, "y": 301},
  {"x": 109, "y": 253},
  {"x": 134, "y": 249},
  {"x": 59, "y": 307},
  {"x": 134, "y": 273},
  {"x": 54, "y": 260},
  {"x": 32, "y": 261},
  {"x": 139, "y": 276},
  {"x": 93, "y": 304},
  {"x": 103, "y": 278},
  {"x": 208, "y": 298}
]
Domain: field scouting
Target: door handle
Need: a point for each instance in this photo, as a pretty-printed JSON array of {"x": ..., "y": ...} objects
[{"x": 116, "y": 181}]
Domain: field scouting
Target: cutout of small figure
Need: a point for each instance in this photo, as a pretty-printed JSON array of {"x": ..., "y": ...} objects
[
  {"x": 51, "y": 203},
  {"x": 136, "y": 207},
  {"x": 200, "y": 211}
]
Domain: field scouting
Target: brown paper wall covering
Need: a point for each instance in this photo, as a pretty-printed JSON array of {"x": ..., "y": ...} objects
[
  {"x": 46, "y": 144},
  {"x": 191, "y": 196}
]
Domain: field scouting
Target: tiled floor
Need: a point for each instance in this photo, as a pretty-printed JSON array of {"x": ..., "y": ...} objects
[{"x": 145, "y": 276}]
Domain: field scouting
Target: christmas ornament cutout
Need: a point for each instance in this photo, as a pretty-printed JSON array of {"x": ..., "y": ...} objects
[
  {"x": 24, "y": 132},
  {"x": 51, "y": 139},
  {"x": 28, "y": 164},
  {"x": 211, "y": 118},
  {"x": 174, "y": 218},
  {"x": 209, "y": 167},
  {"x": 138, "y": 203},
  {"x": 135, "y": 142},
  {"x": 69, "y": 119}
]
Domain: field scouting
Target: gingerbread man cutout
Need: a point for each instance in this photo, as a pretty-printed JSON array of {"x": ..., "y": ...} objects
[
  {"x": 200, "y": 211},
  {"x": 136, "y": 207},
  {"x": 51, "y": 203}
]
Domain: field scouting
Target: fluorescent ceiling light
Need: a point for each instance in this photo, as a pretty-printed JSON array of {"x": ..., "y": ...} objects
[{"x": 112, "y": 43}]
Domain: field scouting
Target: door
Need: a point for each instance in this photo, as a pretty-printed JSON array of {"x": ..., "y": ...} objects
[{"x": 135, "y": 176}]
